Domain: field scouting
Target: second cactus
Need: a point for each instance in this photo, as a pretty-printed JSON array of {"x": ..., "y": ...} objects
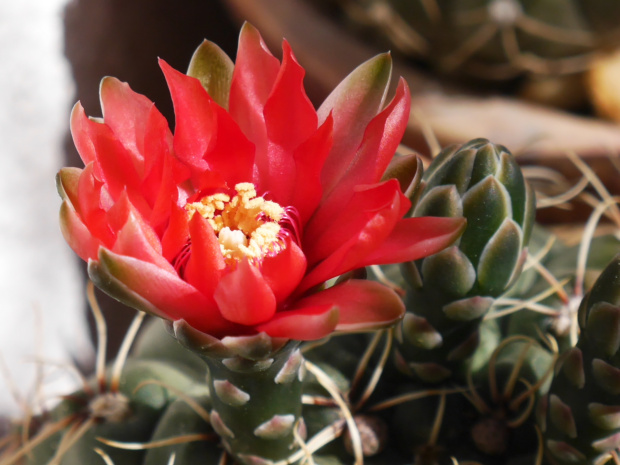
[{"x": 453, "y": 289}]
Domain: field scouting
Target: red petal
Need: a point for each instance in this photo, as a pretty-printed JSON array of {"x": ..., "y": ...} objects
[
  {"x": 284, "y": 271},
  {"x": 367, "y": 202},
  {"x": 77, "y": 234},
  {"x": 302, "y": 324},
  {"x": 363, "y": 305},
  {"x": 172, "y": 296},
  {"x": 177, "y": 233},
  {"x": 290, "y": 119},
  {"x": 243, "y": 296},
  {"x": 137, "y": 239},
  {"x": 104, "y": 280},
  {"x": 414, "y": 238},
  {"x": 118, "y": 171},
  {"x": 232, "y": 155},
  {"x": 126, "y": 113},
  {"x": 356, "y": 100},
  {"x": 162, "y": 192},
  {"x": 195, "y": 124},
  {"x": 163, "y": 171},
  {"x": 91, "y": 196},
  {"x": 117, "y": 215},
  {"x": 80, "y": 129},
  {"x": 205, "y": 135},
  {"x": 309, "y": 159},
  {"x": 67, "y": 181},
  {"x": 82, "y": 192},
  {"x": 158, "y": 141},
  {"x": 381, "y": 139},
  {"x": 350, "y": 251},
  {"x": 88, "y": 194},
  {"x": 289, "y": 114},
  {"x": 206, "y": 262},
  {"x": 253, "y": 78},
  {"x": 210, "y": 182},
  {"x": 113, "y": 162}
]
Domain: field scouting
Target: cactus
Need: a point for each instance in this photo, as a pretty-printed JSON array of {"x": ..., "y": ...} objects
[
  {"x": 275, "y": 348},
  {"x": 183, "y": 400},
  {"x": 490, "y": 420},
  {"x": 119, "y": 405},
  {"x": 255, "y": 386},
  {"x": 237, "y": 255},
  {"x": 184, "y": 403},
  {"x": 495, "y": 39},
  {"x": 581, "y": 424},
  {"x": 452, "y": 291},
  {"x": 558, "y": 292}
]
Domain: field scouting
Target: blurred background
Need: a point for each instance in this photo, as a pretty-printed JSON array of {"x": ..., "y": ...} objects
[{"x": 55, "y": 52}]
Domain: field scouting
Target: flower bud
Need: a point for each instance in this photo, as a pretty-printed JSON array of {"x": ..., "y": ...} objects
[
  {"x": 482, "y": 182},
  {"x": 452, "y": 290}
]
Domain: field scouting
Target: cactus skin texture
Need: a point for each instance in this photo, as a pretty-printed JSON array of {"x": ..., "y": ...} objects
[
  {"x": 494, "y": 39},
  {"x": 149, "y": 401},
  {"x": 255, "y": 384},
  {"x": 562, "y": 262},
  {"x": 491, "y": 423},
  {"x": 453, "y": 289},
  {"x": 135, "y": 419},
  {"x": 582, "y": 423}
]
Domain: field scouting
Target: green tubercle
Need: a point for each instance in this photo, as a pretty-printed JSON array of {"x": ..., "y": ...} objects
[
  {"x": 255, "y": 384},
  {"x": 583, "y": 410},
  {"x": 452, "y": 291}
]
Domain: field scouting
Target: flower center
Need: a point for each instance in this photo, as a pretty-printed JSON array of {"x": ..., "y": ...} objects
[{"x": 245, "y": 225}]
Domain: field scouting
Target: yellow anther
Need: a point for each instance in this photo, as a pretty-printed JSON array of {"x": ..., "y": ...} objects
[{"x": 246, "y": 225}]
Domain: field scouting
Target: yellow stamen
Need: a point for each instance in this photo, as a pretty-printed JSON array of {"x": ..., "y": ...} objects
[{"x": 246, "y": 225}]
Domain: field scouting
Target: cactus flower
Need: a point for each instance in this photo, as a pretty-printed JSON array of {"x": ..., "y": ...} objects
[{"x": 234, "y": 222}]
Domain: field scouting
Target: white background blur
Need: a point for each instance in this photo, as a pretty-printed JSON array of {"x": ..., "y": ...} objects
[{"x": 41, "y": 289}]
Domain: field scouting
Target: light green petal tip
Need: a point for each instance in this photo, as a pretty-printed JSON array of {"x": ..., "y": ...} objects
[
  {"x": 365, "y": 89},
  {"x": 67, "y": 181},
  {"x": 214, "y": 69},
  {"x": 103, "y": 275}
]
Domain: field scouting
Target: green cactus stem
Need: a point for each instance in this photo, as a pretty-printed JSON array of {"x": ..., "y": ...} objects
[
  {"x": 561, "y": 261},
  {"x": 119, "y": 405},
  {"x": 256, "y": 389},
  {"x": 452, "y": 290},
  {"x": 488, "y": 422},
  {"x": 493, "y": 39},
  {"x": 87, "y": 420},
  {"x": 582, "y": 424},
  {"x": 182, "y": 420}
]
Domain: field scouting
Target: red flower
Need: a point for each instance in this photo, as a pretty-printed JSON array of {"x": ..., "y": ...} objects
[{"x": 234, "y": 223}]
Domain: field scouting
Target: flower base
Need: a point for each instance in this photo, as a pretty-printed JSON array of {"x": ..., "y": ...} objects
[{"x": 256, "y": 389}]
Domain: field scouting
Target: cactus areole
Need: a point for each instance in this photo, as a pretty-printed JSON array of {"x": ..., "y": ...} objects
[{"x": 229, "y": 228}]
